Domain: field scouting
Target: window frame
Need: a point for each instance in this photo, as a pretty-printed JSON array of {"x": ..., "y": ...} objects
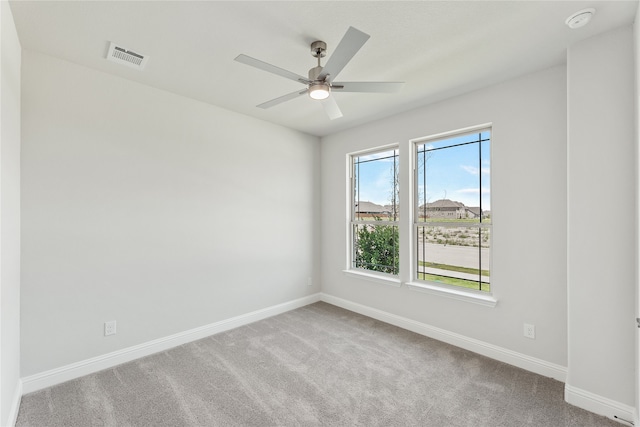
[
  {"x": 375, "y": 276},
  {"x": 486, "y": 298}
]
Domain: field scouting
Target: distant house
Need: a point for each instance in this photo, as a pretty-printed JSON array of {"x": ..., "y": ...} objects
[
  {"x": 372, "y": 210},
  {"x": 390, "y": 209},
  {"x": 443, "y": 208},
  {"x": 448, "y": 209},
  {"x": 474, "y": 212}
]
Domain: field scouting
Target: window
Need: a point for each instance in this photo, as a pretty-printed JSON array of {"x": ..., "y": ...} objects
[
  {"x": 452, "y": 210},
  {"x": 374, "y": 211}
]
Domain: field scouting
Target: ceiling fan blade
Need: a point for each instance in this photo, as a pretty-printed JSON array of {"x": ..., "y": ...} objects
[
  {"x": 331, "y": 108},
  {"x": 271, "y": 69},
  {"x": 282, "y": 99},
  {"x": 375, "y": 87},
  {"x": 350, "y": 44}
]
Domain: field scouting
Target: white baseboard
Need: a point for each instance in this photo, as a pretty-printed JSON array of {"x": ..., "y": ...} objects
[
  {"x": 65, "y": 373},
  {"x": 574, "y": 396},
  {"x": 599, "y": 405},
  {"x": 15, "y": 405},
  {"x": 520, "y": 360}
]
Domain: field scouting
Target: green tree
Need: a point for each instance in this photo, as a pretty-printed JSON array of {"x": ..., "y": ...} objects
[{"x": 377, "y": 248}]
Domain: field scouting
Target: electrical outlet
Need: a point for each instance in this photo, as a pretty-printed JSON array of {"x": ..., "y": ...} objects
[
  {"x": 309, "y": 281},
  {"x": 110, "y": 328},
  {"x": 529, "y": 331}
]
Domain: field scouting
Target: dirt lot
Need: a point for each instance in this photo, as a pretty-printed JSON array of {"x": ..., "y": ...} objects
[{"x": 455, "y": 236}]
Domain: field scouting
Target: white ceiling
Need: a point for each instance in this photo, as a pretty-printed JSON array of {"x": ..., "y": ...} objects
[{"x": 439, "y": 48}]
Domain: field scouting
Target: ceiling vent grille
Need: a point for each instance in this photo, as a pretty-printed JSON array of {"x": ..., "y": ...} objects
[{"x": 126, "y": 57}]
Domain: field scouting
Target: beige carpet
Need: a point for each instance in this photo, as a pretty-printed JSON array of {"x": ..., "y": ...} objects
[{"x": 316, "y": 366}]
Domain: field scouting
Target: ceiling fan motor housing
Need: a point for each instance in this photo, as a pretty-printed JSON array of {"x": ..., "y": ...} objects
[
  {"x": 318, "y": 49},
  {"x": 314, "y": 73}
]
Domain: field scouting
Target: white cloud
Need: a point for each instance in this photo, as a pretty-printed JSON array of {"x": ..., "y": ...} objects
[
  {"x": 470, "y": 169},
  {"x": 474, "y": 170},
  {"x": 473, "y": 190}
]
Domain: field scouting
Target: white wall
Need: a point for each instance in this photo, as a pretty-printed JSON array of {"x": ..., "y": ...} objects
[
  {"x": 601, "y": 248},
  {"x": 9, "y": 217},
  {"x": 166, "y": 214},
  {"x": 153, "y": 210},
  {"x": 636, "y": 32},
  {"x": 528, "y": 214}
]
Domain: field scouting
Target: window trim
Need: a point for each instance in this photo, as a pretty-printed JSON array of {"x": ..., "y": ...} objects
[
  {"x": 486, "y": 298},
  {"x": 380, "y": 277},
  {"x": 374, "y": 276},
  {"x": 454, "y": 292},
  {"x": 406, "y": 224}
]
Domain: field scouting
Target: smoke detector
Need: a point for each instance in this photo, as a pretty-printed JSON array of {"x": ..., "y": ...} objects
[
  {"x": 580, "y": 18},
  {"x": 127, "y": 57}
]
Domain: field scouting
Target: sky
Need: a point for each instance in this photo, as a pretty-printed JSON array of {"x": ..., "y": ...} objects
[{"x": 456, "y": 173}]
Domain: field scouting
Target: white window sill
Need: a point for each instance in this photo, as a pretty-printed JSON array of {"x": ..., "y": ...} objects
[
  {"x": 461, "y": 295},
  {"x": 372, "y": 277}
]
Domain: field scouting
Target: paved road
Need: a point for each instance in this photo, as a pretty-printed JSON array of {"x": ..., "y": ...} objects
[{"x": 464, "y": 256}]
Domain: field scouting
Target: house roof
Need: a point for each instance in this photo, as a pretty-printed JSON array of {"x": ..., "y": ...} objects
[
  {"x": 475, "y": 210},
  {"x": 370, "y": 207},
  {"x": 445, "y": 203}
]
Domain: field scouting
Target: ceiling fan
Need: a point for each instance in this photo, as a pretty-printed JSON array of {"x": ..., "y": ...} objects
[{"x": 320, "y": 82}]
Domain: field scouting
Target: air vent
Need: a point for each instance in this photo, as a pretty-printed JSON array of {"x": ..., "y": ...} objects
[{"x": 126, "y": 57}]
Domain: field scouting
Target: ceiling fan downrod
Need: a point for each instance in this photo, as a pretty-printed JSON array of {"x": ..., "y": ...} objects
[
  {"x": 318, "y": 50},
  {"x": 318, "y": 88}
]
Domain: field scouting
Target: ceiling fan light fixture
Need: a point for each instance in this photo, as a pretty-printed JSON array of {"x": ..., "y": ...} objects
[{"x": 319, "y": 90}]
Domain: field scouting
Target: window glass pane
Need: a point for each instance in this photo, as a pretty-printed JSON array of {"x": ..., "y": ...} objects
[
  {"x": 448, "y": 183},
  {"x": 451, "y": 255},
  {"x": 375, "y": 247},
  {"x": 485, "y": 170},
  {"x": 376, "y": 186},
  {"x": 453, "y": 210}
]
